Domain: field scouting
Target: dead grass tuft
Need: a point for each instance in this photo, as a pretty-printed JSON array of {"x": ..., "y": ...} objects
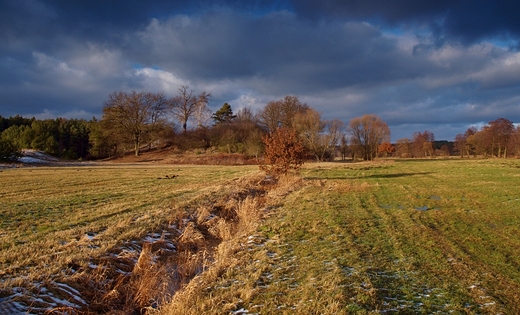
[
  {"x": 191, "y": 238},
  {"x": 203, "y": 214},
  {"x": 221, "y": 229},
  {"x": 151, "y": 286},
  {"x": 145, "y": 260},
  {"x": 249, "y": 215}
]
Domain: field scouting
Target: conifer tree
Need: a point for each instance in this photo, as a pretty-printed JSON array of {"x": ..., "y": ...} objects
[{"x": 224, "y": 114}]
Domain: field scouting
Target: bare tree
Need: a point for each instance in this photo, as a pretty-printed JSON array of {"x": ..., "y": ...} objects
[
  {"x": 343, "y": 146},
  {"x": 281, "y": 113},
  {"x": 460, "y": 144},
  {"x": 422, "y": 144},
  {"x": 515, "y": 141},
  {"x": 202, "y": 110},
  {"x": 368, "y": 132},
  {"x": 310, "y": 126},
  {"x": 469, "y": 147},
  {"x": 498, "y": 132},
  {"x": 135, "y": 116},
  {"x": 402, "y": 148},
  {"x": 320, "y": 137},
  {"x": 335, "y": 134},
  {"x": 251, "y": 132},
  {"x": 202, "y": 115},
  {"x": 463, "y": 143},
  {"x": 186, "y": 104},
  {"x": 478, "y": 143},
  {"x": 246, "y": 114}
]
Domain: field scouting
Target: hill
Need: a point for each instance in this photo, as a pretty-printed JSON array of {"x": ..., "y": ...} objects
[{"x": 171, "y": 155}]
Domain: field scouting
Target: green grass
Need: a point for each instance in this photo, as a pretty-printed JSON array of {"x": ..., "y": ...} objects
[
  {"x": 46, "y": 213},
  {"x": 407, "y": 237}
]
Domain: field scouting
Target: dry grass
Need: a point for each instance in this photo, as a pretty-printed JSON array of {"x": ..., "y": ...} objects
[
  {"x": 230, "y": 254},
  {"x": 354, "y": 239},
  {"x": 83, "y": 225}
]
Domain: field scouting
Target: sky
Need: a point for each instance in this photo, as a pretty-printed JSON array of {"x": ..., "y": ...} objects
[{"x": 436, "y": 65}]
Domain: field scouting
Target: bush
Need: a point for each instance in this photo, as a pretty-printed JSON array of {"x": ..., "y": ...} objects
[{"x": 283, "y": 152}]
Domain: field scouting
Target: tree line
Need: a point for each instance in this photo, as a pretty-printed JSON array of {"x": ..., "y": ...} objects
[
  {"x": 65, "y": 138},
  {"x": 141, "y": 120},
  {"x": 138, "y": 120},
  {"x": 499, "y": 138}
]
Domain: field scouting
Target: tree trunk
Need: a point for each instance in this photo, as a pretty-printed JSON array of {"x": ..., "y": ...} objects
[
  {"x": 136, "y": 145},
  {"x": 184, "y": 125}
]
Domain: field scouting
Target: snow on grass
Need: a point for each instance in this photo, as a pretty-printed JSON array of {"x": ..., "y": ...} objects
[{"x": 36, "y": 157}]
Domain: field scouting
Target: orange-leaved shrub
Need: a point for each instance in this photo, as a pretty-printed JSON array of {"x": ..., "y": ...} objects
[{"x": 283, "y": 151}]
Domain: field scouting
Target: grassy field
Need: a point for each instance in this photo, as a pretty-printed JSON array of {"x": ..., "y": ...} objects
[
  {"x": 407, "y": 237},
  {"x": 425, "y": 236},
  {"x": 51, "y": 216}
]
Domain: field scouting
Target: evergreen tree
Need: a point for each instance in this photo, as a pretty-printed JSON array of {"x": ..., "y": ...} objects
[
  {"x": 223, "y": 115},
  {"x": 9, "y": 151}
]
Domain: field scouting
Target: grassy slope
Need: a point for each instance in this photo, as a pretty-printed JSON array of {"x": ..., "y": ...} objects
[{"x": 357, "y": 239}]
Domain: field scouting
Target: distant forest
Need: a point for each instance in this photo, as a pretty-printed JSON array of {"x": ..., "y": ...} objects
[{"x": 138, "y": 121}]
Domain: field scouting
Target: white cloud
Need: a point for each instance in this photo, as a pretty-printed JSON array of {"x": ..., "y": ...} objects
[
  {"x": 81, "y": 70},
  {"x": 57, "y": 67},
  {"x": 160, "y": 80},
  {"x": 97, "y": 61},
  {"x": 248, "y": 100},
  {"x": 501, "y": 72}
]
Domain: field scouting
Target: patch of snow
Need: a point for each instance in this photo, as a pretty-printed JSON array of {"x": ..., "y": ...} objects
[
  {"x": 30, "y": 160},
  {"x": 90, "y": 236},
  {"x": 240, "y": 312},
  {"x": 36, "y": 157},
  {"x": 41, "y": 302}
]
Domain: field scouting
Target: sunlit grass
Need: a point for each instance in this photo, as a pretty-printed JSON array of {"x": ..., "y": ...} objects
[
  {"x": 52, "y": 216},
  {"x": 410, "y": 237}
]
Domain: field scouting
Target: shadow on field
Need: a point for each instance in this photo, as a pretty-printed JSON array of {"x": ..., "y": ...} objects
[
  {"x": 395, "y": 175},
  {"x": 381, "y": 176}
]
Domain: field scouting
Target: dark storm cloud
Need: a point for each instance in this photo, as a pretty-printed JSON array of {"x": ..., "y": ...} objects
[
  {"x": 289, "y": 54},
  {"x": 392, "y": 11},
  {"x": 464, "y": 20},
  {"x": 61, "y": 58}
]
